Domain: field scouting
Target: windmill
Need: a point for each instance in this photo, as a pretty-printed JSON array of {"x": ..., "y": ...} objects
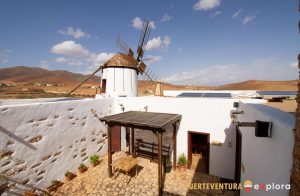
[{"x": 120, "y": 73}]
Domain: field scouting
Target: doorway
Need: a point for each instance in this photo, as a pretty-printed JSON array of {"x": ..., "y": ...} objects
[
  {"x": 116, "y": 139},
  {"x": 103, "y": 85},
  {"x": 198, "y": 151},
  {"x": 238, "y": 156}
]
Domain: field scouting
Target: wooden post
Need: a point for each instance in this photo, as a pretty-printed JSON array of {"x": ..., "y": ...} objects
[
  {"x": 109, "y": 128},
  {"x": 132, "y": 141},
  {"x": 174, "y": 145},
  {"x": 159, "y": 141}
]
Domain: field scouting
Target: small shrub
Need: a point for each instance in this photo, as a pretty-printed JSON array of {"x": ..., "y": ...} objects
[
  {"x": 82, "y": 165},
  {"x": 94, "y": 159},
  {"x": 182, "y": 160},
  {"x": 82, "y": 168},
  {"x": 68, "y": 173},
  {"x": 54, "y": 182}
]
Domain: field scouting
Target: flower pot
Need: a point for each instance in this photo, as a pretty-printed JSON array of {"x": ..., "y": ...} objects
[
  {"x": 168, "y": 168},
  {"x": 82, "y": 169},
  {"x": 54, "y": 187},
  {"x": 181, "y": 167},
  {"x": 70, "y": 177},
  {"x": 94, "y": 164}
]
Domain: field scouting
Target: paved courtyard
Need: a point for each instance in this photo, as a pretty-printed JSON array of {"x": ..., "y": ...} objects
[{"x": 95, "y": 181}]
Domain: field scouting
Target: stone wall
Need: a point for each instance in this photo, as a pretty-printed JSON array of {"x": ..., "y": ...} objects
[{"x": 39, "y": 142}]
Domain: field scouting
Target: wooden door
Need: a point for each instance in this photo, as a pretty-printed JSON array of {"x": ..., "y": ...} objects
[{"x": 116, "y": 138}]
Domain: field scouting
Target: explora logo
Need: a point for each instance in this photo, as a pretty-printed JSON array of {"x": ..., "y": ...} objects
[{"x": 248, "y": 186}]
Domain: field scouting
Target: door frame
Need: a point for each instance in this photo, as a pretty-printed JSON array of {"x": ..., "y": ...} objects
[
  {"x": 238, "y": 155},
  {"x": 189, "y": 142}
]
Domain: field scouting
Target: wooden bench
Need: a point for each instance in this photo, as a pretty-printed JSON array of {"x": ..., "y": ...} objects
[{"x": 150, "y": 150}]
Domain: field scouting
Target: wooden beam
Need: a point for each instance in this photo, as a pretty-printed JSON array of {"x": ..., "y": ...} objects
[
  {"x": 132, "y": 141},
  {"x": 159, "y": 141},
  {"x": 109, "y": 128},
  {"x": 174, "y": 145},
  {"x": 246, "y": 124}
]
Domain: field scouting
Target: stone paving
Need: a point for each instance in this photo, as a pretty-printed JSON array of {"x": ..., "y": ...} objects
[{"x": 95, "y": 181}]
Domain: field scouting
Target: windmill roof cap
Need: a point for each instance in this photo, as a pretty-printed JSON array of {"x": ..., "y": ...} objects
[{"x": 121, "y": 60}]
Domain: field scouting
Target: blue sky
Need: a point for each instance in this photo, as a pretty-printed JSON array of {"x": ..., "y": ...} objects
[{"x": 203, "y": 42}]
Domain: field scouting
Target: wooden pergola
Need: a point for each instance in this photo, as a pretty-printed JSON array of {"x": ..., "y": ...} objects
[{"x": 147, "y": 121}]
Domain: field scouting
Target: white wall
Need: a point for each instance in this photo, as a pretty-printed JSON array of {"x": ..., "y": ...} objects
[
  {"x": 267, "y": 160},
  {"x": 68, "y": 131},
  {"x": 120, "y": 82},
  {"x": 200, "y": 115}
]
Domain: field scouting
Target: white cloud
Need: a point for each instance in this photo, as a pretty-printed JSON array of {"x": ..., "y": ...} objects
[
  {"x": 137, "y": 23},
  {"x": 74, "y": 32},
  {"x": 260, "y": 69},
  {"x": 44, "y": 64},
  {"x": 70, "y": 48},
  {"x": 154, "y": 43},
  {"x": 152, "y": 25},
  {"x": 4, "y": 56},
  {"x": 248, "y": 19},
  {"x": 77, "y": 55},
  {"x": 99, "y": 59},
  {"x": 215, "y": 14},
  {"x": 295, "y": 64},
  {"x": 206, "y": 4},
  {"x": 157, "y": 42},
  {"x": 69, "y": 61},
  {"x": 166, "y": 41},
  {"x": 166, "y": 18},
  {"x": 153, "y": 59},
  {"x": 236, "y": 14}
]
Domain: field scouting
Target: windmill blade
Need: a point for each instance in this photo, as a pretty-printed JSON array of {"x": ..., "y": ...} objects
[
  {"x": 84, "y": 81},
  {"x": 144, "y": 37},
  {"x": 142, "y": 67},
  {"x": 123, "y": 46}
]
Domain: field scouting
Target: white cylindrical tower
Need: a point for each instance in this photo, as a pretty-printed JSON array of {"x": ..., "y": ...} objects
[{"x": 120, "y": 76}]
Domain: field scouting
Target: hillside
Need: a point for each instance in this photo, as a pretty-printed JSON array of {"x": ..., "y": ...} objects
[
  {"x": 22, "y": 74},
  {"x": 24, "y": 77},
  {"x": 261, "y": 85}
]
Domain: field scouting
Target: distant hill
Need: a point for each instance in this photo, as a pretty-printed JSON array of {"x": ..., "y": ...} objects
[
  {"x": 22, "y": 74},
  {"x": 261, "y": 85}
]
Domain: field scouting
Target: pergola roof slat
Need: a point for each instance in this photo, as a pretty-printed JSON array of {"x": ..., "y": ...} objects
[{"x": 151, "y": 120}]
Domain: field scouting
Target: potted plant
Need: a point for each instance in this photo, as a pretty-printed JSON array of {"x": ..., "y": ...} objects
[
  {"x": 94, "y": 159},
  {"x": 55, "y": 184},
  {"x": 82, "y": 168},
  {"x": 167, "y": 165},
  {"x": 182, "y": 162},
  {"x": 69, "y": 176}
]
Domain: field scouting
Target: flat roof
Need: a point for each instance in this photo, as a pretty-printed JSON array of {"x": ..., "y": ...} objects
[
  {"x": 206, "y": 95},
  {"x": 143, "y": 120}
]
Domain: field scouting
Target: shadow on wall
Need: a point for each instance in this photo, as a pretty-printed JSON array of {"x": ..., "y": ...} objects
[{"x": 17, "y": 138}]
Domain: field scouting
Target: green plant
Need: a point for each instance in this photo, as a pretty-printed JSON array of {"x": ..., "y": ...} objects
[
  {"x": 68, "y": 173},
  {"x": 168, "y": 161},
  {"x": 82, "y": 165},
  {"x": 54, "y": 182},
  {"x": 182, "y": 160},
  {"x": 94, "y": 159}
]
